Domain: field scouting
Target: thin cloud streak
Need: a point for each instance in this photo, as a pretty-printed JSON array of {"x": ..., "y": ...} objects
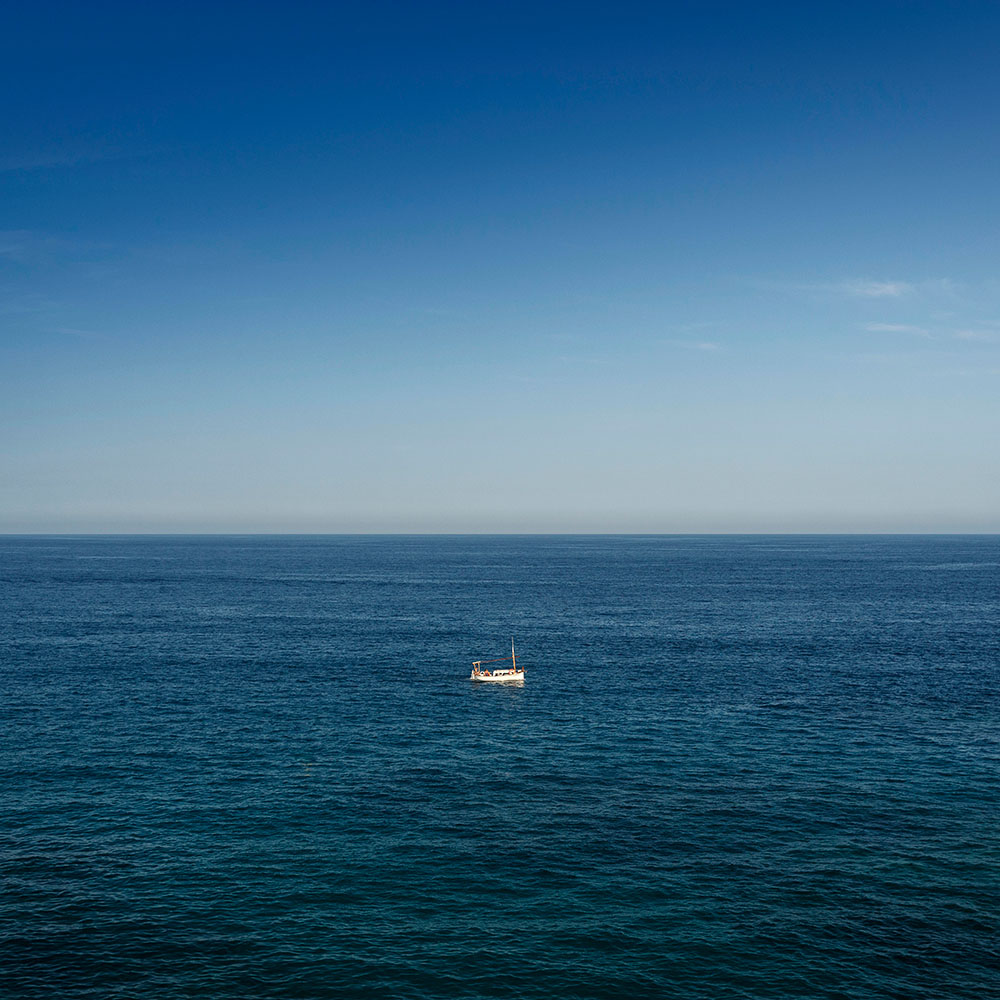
[
  {"x": 878, "y": 289},
  {"x": 866, "y": 288},
  {"x": 977, "y": 336},
  {"x": 15, "y": 244},
  {"x": 26, "y": 246},
  {"x": 916, "y": 331},
  {"x": 72, "y": 331},
  {"x": 42, "y": 160},
  {"x": 697, "y": 345}
]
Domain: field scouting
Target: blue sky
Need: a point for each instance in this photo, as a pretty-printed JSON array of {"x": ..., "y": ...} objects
[{"x": 422, "y": 267}]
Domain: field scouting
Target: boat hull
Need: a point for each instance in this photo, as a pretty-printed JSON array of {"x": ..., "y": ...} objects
[{"x": 498, "y": 677}]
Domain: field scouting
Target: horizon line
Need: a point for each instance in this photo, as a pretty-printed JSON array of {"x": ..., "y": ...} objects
[{"x": 493, "y": 534}]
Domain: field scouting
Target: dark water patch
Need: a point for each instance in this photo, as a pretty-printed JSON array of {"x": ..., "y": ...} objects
[{"x": 762, "y": 767}]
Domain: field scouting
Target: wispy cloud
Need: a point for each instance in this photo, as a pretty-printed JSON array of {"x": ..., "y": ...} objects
[
  {"x": 868, "y": 289},
  {"x": 916, "y": 331},
  {"x": 72, "y": 331},
  {"x": 47, "y": 158},
  {"x": 14, "y": 243},
  {"x": 697, "y": 345},
  {"x": 31, "y": 248},
  {"x": 23, "y": 245},
  {"x": 694, "y": 336},
  {"x": 24, "y": 304},
  {"x": 978, "y": 336},
  {"x": 877, "y": 289}
]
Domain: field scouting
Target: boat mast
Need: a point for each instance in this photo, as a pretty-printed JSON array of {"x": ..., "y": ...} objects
[{"x": 512, "y": 660}]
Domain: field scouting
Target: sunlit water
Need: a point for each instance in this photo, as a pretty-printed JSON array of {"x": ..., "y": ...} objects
[{"x": 739, "y": 767}]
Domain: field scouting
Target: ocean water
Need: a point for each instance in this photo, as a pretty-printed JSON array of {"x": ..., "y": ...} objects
[{"x": 760, "y": 767}]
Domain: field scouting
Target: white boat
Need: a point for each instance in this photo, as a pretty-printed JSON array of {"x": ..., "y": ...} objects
[{"x": 498, "y": 675}]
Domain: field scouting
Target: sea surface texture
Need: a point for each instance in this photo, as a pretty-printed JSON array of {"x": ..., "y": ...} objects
[{"x": 754, "y": 767}]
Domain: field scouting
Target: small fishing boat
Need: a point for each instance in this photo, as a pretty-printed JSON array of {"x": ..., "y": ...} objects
[{"x": 498, "y": 675}]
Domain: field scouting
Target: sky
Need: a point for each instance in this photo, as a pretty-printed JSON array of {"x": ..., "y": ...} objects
[{"x": 420, "y": 267}]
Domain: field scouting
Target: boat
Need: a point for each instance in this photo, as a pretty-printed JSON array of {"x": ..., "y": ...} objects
[{"x": 498, "y": 675}]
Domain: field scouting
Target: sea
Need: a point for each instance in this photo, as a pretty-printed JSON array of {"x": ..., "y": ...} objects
[{"x": 738, "y": 767}]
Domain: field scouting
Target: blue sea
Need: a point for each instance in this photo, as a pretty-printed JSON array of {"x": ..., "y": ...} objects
[{"x": 739, "y": 767}]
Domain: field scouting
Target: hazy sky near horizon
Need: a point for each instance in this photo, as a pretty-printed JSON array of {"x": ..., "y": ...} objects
[{"x": 452, "y": 267}]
